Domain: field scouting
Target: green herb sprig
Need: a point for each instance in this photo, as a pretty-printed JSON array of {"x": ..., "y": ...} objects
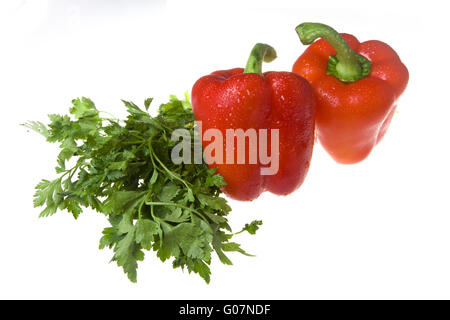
[{"x": 123, "y": 170}]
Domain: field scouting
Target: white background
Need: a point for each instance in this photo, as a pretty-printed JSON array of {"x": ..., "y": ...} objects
[{"x": 379, "y": 229}]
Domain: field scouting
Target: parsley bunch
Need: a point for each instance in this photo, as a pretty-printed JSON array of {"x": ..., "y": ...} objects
[{"x": 123, "y": 170}]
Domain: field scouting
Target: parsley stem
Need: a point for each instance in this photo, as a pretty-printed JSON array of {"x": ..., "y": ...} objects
[
  {"x": 151, "y": 203},
  {"x": 153, "y": 155},
  {"x": 152, "y": 213},
  {"x": 70, "y": 172},
  {"x": 134, "y": 142},
  {"x": 114, "y": 119},
  {"x": 140, "y": 210},
  {"x": 137, "y": 163},
  {"x": 165, "y": 127}
]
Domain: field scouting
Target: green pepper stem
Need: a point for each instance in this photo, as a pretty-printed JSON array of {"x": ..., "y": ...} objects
[
  {"x": 347, "y": 65},
  {"x": 260, "y": 52}
]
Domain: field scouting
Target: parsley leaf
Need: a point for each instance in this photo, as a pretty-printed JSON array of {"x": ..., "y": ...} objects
[{"x": 122, "y": 169}]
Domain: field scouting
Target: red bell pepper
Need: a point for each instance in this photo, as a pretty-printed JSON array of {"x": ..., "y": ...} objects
[
  {"x": 248, "y": 99},
  {"x": 356, "y": 87}
]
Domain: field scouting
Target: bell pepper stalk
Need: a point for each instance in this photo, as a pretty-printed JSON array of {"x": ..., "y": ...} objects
[
  {"x": 272, "y": 111},
  {"x": 260, "y": 52},
  {"x": 356, "y": 85}
]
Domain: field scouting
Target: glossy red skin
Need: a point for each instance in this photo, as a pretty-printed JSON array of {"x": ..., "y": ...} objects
[
  {"x": 352, "y": 118},
  {"x": 231, "y": 99}
]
